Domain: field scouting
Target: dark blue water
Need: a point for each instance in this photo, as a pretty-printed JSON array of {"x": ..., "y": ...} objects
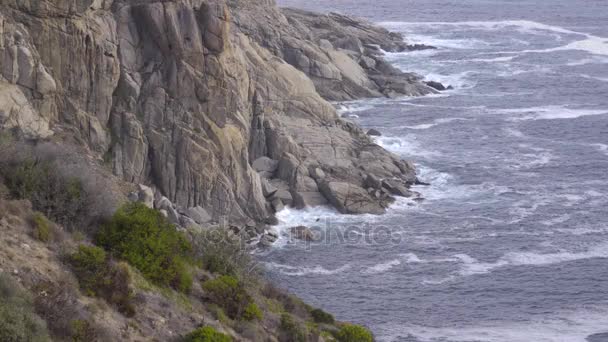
[{"x": 511, "y": 243}]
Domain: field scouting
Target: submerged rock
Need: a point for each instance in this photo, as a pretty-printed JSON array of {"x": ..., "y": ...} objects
[{"x": 374, "y": 133}]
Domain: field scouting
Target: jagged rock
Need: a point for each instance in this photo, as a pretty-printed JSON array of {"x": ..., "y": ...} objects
[
  {"x": 308, "y": 199},
  {"x": 267, "y": 240},
  {"x": 265, "y": 164},
  {"x": 316, "y": 173},
  {"x": 395, "y": 187},
  {"x": 374, "y": 133},
  {"x": 277, "y": 205},
  {"x": 146, "y": 195},
  {"x": 373, "y": 182},
  {"x": 199, "y": 215},
  {"x": 284, "y": 196},
  {"x": 268, "y": 189},
  {"x": 163, "y": 203},
  {"x": 436, "y": 85},
  {"x": 367, "y": 62},
  {"x": 350, "y": 198},
  {"x": 288, "y": 166},
  {"x": 303, "y": 233}
]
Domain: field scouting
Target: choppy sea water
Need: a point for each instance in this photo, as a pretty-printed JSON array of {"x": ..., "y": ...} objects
[{"x": 511, "y": 243}]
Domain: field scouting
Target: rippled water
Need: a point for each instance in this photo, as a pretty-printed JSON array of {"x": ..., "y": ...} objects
[{"x": 511, "y": 243}]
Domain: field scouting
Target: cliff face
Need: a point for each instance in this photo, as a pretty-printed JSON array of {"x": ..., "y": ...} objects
[{"x": 185, "y": 95}]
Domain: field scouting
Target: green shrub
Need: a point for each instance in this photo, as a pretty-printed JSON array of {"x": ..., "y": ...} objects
[
  {"x": 18, "y": 322},
  {"x": 89, "y": 264},
  {"x": 230, "y": 294},
  {"x": 143, "y": 237},
  {"x": 321, "y": 316},
  {"x": 207, "y": 334},
  {"x": 252, "y": 312},
  {"x": 354, "y": 333},
  {"x": 42, "y": 228},
  {"x": 290, "y": 330},
  {"x": 100, "y": 277},
  {"x": 224, "y": 253},
  {"x": 61, "y": 199},
  {"x": 82, "y": 331}
]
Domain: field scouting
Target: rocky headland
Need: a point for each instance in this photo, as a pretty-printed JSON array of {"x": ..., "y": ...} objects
[{"x": 207, "y": 110}]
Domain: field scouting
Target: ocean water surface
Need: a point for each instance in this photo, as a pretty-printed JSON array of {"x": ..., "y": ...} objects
[{"x": 511, "y": 242}]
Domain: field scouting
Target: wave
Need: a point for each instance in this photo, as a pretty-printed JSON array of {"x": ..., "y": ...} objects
[
  {"x": 404, "y": 147},
  {"x": 601, "y": 147},
  {"x": 472, "y": 266},
  {"x": 435, "y": 123},
  {"x": 571, "y": 326},
  {"x": 602, "y": 79},
  {"x": 548, "y": 113},
  {"x": 302, "y": 271},
  {"x": 382, "y": 267}
]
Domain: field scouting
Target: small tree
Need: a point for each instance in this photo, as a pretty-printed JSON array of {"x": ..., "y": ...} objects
[{"x": 144, "y": 238}]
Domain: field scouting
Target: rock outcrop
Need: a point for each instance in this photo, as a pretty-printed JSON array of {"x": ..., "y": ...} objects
[{"x": 217, "y": 106}]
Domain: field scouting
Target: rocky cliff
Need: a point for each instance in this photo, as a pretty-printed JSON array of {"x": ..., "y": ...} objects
[{"x": 215, "y": 105}]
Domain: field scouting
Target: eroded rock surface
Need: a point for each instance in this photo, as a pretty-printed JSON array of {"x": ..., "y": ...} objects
[{"x": 217, "y": 106}]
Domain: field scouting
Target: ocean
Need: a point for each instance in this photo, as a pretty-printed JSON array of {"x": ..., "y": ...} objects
[{"x": 511, "y": 241}]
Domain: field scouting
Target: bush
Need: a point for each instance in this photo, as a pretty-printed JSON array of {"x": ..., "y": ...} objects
[
  {"x": 61, "y": 199},
  {"x": 98, "y": 276},
  {"x": 42, "y": 228},
  {"x": 253, "y": 312},
  {"x": 354, "y": 333},
  {"x": 291, "y": 331},
  {"x": 89, "y": 264},
  {"x": 229, "y": 293},
  {"x": 224, "y": 253},
  {"x": 82, "y": 331},
  {"x": 321, "y": 316},
  {"x": 207, "y": 334},
  {"x": 18, "y": 322},
  {"x": 143, "y": 237}
]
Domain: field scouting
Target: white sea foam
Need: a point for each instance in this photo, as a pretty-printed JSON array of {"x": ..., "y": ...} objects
[
  {"x": 471, "y": 266},
  {"x": 601, "y": 79},
  {"x": 302, "y": 271},
  {"x": 548, "y": 113},
  {"x": 435, "y": 123},
  {"x": 601, "y": 147},
  {"x": 405, "y": 146},
  {"x": 572, "y": 326},
  {"x": 382, "y": 267}
]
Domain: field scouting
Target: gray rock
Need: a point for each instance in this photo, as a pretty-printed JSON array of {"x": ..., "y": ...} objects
[
  {"x": 350, "y": 198},
  {"x": 268, "y": 189},
  {"x": 277, "y": 205},
  {"x": 146, "y": 195},
  {"x": 266, "y": 241},
  {"x": 367, "y": 62},
  {"x": 199, "y": 215},
  {"x": 309, "y": 199},
  {"x": 316, "y": 173},
  {"x": 396, "y": 187},
  {"x": 374, "y": 132},
  {"x": 265, "y": 164},
  {"x": 373, "y": 182}
]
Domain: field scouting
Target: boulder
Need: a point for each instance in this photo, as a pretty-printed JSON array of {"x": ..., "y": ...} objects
[
  {"x": 277, "y": 205},
  {"x": 374, "y": 133},
  {"x": 284, "y": 196},
  {"x": 436, "y": 85},
  {"x": 309, "y": 199},
  {"x": 265, "y": 164},
  {"x": 146, "y": 195},
  {"x": 396, "y": 187},
  {"x": 303, "y": 233},
  {"x": 199, "y": 215},
  {"x": 163, "y": 203},
  {"x": 316, "y": 173},
  {"x": 267, "y": 240},
  {"x": 268, "y": 189},
  {"x": 351, "y": 199},
  {"x": 367, "y": 62},
  {"x": 373, "y": 182}
]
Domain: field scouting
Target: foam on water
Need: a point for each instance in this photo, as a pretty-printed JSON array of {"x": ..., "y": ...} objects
[
  {"x": 574, "y": 326},
  {"x": 435, "y": 123},
  {"x": 303, "y": 271},
  {"x": 548, "y": 113},
  {"x": 471, "y": 266},
  {"x": 382, "y": 267},
  {"x": 601, "y": 147},
  {"x": 405, "y": 146}
]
